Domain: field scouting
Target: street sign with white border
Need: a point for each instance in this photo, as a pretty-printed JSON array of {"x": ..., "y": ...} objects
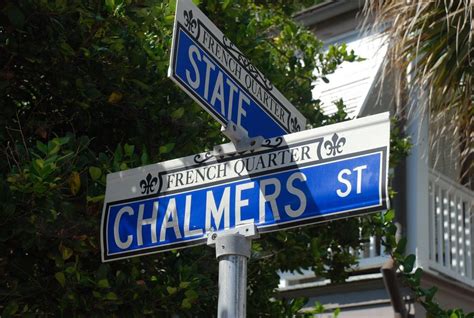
[
  {"x": 307, "y": 177},
  {"x": 210, "y": 69}
]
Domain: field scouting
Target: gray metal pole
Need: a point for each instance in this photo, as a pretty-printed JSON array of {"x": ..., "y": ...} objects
[{"x": 232, "y": 252}]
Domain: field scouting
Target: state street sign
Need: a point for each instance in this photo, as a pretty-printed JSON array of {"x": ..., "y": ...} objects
[
  {"x": 210, "y": 69},
  {"x": 320, "y": 174}
]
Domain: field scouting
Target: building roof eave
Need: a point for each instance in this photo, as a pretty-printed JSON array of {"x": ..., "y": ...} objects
[{"x": 326, "y": 10}]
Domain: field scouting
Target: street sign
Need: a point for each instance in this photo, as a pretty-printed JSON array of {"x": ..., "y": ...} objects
[
  {"x": 210, "y": 69},
  {"x": 311, "y": 176}
]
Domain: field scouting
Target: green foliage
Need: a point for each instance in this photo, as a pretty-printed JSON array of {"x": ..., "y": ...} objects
[
  {"x": 84, "y": 92},
  {"x": 399, "y": 145},
  {"x": 385, "y": 227},
  {"x": 319, "y": 309},
  {"x": 425, "y": 296}
]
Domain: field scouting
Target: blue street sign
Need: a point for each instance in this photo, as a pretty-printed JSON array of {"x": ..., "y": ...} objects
[
  {"x": 209, "y": 68},
  {"x": 298, "y": 179}
]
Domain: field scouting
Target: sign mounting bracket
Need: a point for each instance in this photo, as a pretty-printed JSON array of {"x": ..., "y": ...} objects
[{"x": 240, "y": 140}]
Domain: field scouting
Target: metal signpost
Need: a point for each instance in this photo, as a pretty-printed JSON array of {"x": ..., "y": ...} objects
[
  {"x": 210, "y": 69},
  {"x": 311, "y": 176}
]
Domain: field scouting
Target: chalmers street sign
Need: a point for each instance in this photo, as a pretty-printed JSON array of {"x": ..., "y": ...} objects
[
  {"x": 320, "y": 174},
  {"x": 210, "y": 69}
]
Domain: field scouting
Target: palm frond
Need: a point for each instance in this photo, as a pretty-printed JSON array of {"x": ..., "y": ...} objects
[{"x": 438, "y": 36}]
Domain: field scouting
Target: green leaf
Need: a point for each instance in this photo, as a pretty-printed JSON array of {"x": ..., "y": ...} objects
[
  {"x": 186, "y": 304},
  {"x": 401, "y": 246},
  {"x": 129, "y": 149},
  {"x": 110, "y": 4},
  {"x": 66, "y": 252},
  {"x": 172, "y": 6},
  {"x": 103, "y": 283},
  {"x": 62, "y": 141},
  {"x": 389, "y": 216},
  {"x": 169, "y": 18},
  {"x": 178, "y": 113},
  {"x": 184, "y": 285},
  {"x": 70, "y": 270},
  {"x": 42, "y": 147},
  {"x": 98, "y": 198},
  {"x": 191, "y": 294},
  {"x": 408, "y": 263},
  {"x": 418, "y": 273},
  {"x": 171, "y": 290},
  {"x": 39, "y": 164},
  {"x": 74, "y": 182},
  {"x": 118, "y": 154},
  {"x": 225, "y": 4},
  {"x": 95, "y": 173},
  {"x": 111, "y": 296},
  {"x": 145, "y": 159},
  {"x": 430, "y": 293},
  {"x": 115, "y": 98},
  {"x": 66, "y": 49},
  {"x": 318, "y": 308},
  {"x": 166, "y": 148},
  {"x": 53, "y": 147},
  {"x": 61, "y": 278}
]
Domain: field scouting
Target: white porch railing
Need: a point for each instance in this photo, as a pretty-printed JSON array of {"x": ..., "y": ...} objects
[
  {"x": 451, "y": 211},
  {"x": 371, "y": 255}
]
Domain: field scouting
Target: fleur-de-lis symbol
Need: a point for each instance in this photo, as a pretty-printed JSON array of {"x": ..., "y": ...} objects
[
  {"x": 148, "y": 184},
  {"x": 294, "y": 125},
  {"x": 334, "y": 145},
  {"x": 190, "y": 22}
]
